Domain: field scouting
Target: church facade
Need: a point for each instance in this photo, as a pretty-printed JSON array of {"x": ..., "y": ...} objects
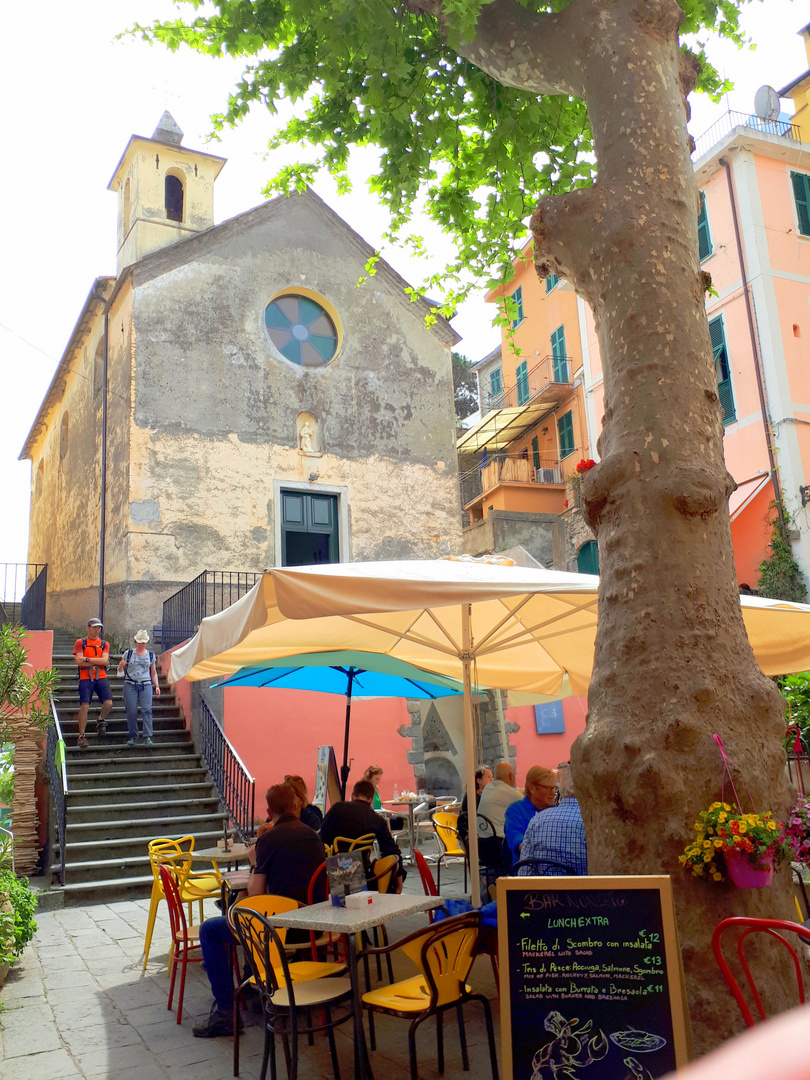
[{"x": 231, "y": 400}]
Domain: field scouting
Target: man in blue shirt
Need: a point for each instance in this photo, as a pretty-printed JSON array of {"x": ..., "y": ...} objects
[
  {"x": 557, "y": 835},
  {"x": 540, "y": 794}
]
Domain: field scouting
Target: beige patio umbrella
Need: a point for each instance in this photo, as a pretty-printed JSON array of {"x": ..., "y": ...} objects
[{"x": 483, "y": 622}]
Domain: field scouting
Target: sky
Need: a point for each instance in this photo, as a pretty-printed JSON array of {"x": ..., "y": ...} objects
[{"x": 70, "y": 101}]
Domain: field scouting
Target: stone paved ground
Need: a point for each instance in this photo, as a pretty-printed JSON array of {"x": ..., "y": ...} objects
[{"x": 79, "y": 1004}]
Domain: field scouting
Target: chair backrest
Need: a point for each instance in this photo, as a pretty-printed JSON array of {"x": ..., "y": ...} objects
[
  {"x": 484, "y": 827},
  {"x": 172, "y": 854},
  {"x": 177, "y": 917},
  {"x": 263, "y": 947},
  {"x": 314, "y": 883},
  {"x": 444, "y": 953},
  {"x": 265, "y": 904},
  {"x": 426, "y": 876},
  {"x": 534, "y": 865},
  {"x": 384, "y": 872},
  {"x": 748, "y": 926},
  {"x": 445, "y": 825},
  {"x": 360, "y": 843}
]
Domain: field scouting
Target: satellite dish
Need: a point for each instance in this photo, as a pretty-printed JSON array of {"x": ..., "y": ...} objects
[{"x": 766, "y": 103}]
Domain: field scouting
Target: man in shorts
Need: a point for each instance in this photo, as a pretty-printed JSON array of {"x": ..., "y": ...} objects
[{"x": 92, "y": 656}]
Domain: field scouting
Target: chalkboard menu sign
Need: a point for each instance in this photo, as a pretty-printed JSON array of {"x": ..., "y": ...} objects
[{"x": 591, "y": 984}]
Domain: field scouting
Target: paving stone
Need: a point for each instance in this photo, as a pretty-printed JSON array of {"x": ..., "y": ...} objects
[
  {"x": 51, "y": 1064},
  {"x": 131, "y": 995},
  {"x": 167, "y": 1034},
  {"x": 69, "y": 980},
  {"x": 196, "y": 1051},
  {"x": 68, "y": 961},
  {"x": 113, "y": 1061},
  {"x": 145, "y": 1015},
  {"x": 151, "y": 1071},
  {"x": 87, "y": 1038},
  {"x": 32, "y": 1026},
  {"x": 84, "y": 1013}
]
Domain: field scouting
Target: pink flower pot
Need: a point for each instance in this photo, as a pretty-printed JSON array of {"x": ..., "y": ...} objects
[{"x": 747, "y": 874}]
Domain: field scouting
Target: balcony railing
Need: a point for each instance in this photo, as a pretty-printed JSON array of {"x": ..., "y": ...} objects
[
  {"x": 23, "y": 588},
  {"x": 784, "y": 129},
  {"x": 551, "y": 371},
  {"x": 508, "y": 469},
  {"x": 210, "y": 592},
  {"x": 235, "y": 786}
]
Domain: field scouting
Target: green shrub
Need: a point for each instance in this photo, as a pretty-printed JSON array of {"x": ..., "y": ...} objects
[
  {"x": 17, "y": 926},
  {"x": 796, "y": 691}
]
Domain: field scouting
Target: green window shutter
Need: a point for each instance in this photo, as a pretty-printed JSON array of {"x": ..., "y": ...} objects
[
  {"x": 558, "y": 353},
  {"x": 588, "y": 558},
  {"x": 704, "y": 236},
  {"x": 565, "y": 428},
  {"x": 801, "y": 193},
  {"x": 495, "y": 382},
  {"x": 517, "y": 296},
  {"x": 522, "y": 374},
  {"x": 551, "y": 281},
  {"x": 536, "y": 452},
  {"x": 721, "y": 367}
]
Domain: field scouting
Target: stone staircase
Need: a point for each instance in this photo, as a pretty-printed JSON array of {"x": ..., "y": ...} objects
[{"x": 119, "y": 798}]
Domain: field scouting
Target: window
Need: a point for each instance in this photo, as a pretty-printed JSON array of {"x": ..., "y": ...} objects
[
  {"x": 536, "y": 453},
  {"x": 565, "y": 428},
  {"x": 704, "y": 236},
  {"x": 560, "y": 360},
  {"x": 801, "y": 193},
  {"x": 309, "y": 529},
  {"x": 588, "y": 558},
  {"x": 173, "y": 198},
  {"x": 517, "y": 296},
  {"x": 721, "y": 367},
  {"x": 495, "y": 383},
  {"x": 301, "y": 330},
  {"x": 551, "y": 281},
  {"x": 522, "y": 375}
]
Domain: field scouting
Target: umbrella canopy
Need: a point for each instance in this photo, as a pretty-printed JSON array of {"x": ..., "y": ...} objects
[
  {"x": 352, "y": 674},
  {"x": 519, "y": 629}
]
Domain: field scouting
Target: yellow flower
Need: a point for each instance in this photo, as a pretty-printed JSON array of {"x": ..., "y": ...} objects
[
  {"x": 707, "y": 856},
  {"x": 710, "y": 832},
  {"x": 697, "y": 871},
  {"x": 718, "y": 843},
  {"x": 722, "y": 818},
  {"x": 715, "y": 806},
  {"x": 717, "y": 877},
  {"x": 772, "y": 826},
  {"x": 743, "y": 827}
]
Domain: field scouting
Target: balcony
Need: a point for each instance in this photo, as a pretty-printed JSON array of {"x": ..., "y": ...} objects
[
  {"x": 783, "y": 129},
  {"x": 523, "y": 485},
  {"x": 549, "y": 380}
]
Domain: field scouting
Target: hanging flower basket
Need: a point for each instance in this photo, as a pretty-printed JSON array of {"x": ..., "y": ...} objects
[{"x": 747, "y": 874}]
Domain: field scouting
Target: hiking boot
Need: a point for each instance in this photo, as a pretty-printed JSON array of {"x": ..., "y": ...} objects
[
  {"x": 101, "y": 729},
  {"x": 219, "y": 1022},
  {"x": 82, "y": 742}
]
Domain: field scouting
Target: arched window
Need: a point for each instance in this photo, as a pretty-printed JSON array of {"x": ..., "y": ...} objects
[
  {"x": 173, "y": 198},
  {"x": 64, "y": 433},
  {"x": 588, "y": 558}
]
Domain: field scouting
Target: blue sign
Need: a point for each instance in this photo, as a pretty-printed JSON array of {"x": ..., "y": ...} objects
[{"x": 549, "y": 718}]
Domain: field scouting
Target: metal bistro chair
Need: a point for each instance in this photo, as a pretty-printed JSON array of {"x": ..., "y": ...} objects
[
  {"x": 426, "y": 877},
  {"x": 445, "y": 825},
  {"x": 192, "y": 886},
  {"x": 185, "y": 938},
  {"x": 749, "y": 926},
  {"x": 287, "y": 1004},
  {"x": 444, "y": 954},
  {"x": 490, "y": 848}
]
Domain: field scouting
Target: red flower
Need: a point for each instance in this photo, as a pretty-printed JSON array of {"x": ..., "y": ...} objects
[
  {"x": 585, "y": 464},
  {"x": 565, "y": 504}
]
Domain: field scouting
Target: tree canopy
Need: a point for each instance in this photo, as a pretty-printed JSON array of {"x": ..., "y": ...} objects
[{"x": 472, "y": 153}]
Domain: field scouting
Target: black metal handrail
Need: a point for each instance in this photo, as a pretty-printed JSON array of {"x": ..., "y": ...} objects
[
  {"x": 784, "y": 129},
  {"x": 235, "y": 786},
  {"x": 209, "y": 592},
  {"x": 58, "y": 783},
  {"x": 23, "y": 589}
]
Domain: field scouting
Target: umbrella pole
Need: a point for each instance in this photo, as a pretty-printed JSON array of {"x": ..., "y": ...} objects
[
  {"x": 344, "y": 768},
  {"x": 469, "y": 754}
]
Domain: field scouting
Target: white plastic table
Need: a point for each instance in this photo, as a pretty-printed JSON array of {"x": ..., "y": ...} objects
[{"x": 324, "y": 918}]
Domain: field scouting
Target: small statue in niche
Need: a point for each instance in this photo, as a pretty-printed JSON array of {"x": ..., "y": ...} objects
[{"x": 305, "y": 438}]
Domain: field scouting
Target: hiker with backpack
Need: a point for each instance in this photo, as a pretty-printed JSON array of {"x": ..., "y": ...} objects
[
  {"x": 92, "y": 656},
  {"x": 139, "y": 668}
]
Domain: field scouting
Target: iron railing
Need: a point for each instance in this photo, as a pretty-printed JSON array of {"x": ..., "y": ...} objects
[
  {"x": 508, "y": 468},
  {"x": 23, "y": 588},
  {"x": 235, "y": 786},
  {"x": 209, "y": 592},
  {"x": 58, "y": 783},
  {"x": 730, "y": 120},
  {"x": 550, "y": 371}
]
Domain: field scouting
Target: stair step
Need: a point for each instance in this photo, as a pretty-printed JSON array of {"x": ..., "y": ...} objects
[
  {"x": 180, "y": 779},
  {"x": 86, "y": 762},
  {"x": 97, "y": 749},
  {"x": 84, "y": 812},
  {"x": 79, "y": 851},
  {"x": 145, "y": 828},
  {"x": 121, "y": 798},
  {"x": 110, "y": 889}
]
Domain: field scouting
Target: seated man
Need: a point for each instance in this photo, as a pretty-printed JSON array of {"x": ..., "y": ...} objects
[
  {"x": 483, "y": 776},
  {"x": 540, "y": 794},
  {"x": 557, "y": 834},
  {"x": 498, "y": 795},
  {"x": 355, "y": 818},
  {"x": 283, "y": 862}
]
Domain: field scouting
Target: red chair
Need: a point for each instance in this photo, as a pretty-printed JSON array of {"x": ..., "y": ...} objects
[
  {"x": 750, "y": 926},
  {"x": 428, "y": 884},
  {"x": 185, "y": 938}
]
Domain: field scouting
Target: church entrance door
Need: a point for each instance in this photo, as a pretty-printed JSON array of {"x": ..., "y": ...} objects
[{"x": 309, "y": 529}]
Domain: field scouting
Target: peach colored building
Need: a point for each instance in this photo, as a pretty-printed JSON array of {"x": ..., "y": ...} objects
[{"x": 754, "y": 231}]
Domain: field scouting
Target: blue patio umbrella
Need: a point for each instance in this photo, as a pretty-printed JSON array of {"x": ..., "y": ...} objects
[{"x": 354, "y": 674}]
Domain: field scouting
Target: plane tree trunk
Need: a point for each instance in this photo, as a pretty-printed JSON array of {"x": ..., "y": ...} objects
[{"x": 673, "y": 664}]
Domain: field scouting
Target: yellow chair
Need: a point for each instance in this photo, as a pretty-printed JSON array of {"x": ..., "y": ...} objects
[
  {"x": 299, "y": 970},
  {"x": 444, "y": 954},
  {"x": 177, "y": 855},
  {"x": 445, "y": 826}
]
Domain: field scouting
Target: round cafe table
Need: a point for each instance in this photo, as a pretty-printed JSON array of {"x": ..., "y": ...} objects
[
  {"x": 410, "y": 804},
  {"x": 235, "y": 854}
]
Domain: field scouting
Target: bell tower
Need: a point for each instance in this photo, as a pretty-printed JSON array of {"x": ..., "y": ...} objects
[{"x": 165, "y": 192}]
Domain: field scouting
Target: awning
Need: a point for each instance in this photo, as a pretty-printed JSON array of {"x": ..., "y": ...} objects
[
  {"x": 502, "y": 426},
  {"x": 747, "y": 491}
]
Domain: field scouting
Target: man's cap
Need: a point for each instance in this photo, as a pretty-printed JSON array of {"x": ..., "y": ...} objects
[
  {"x": 94, "y": 622},
  {"x": 142, "y": 637}
]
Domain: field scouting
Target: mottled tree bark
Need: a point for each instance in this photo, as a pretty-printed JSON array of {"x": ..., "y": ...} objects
[{"x": 673, "y": 663}]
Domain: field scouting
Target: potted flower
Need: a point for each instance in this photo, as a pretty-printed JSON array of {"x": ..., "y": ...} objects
[
  {"x": 575, "y": 481},
  {"x": 797, "y": 830},
  {"x": 743, "y": 846}
]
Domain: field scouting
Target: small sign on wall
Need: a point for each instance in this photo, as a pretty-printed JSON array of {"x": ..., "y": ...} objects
[{"x": 549, "y": 718}]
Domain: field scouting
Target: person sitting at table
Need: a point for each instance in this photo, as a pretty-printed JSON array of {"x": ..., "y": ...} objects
[
  {"x": 539, "y": 794},
  {"x": 354, "y": 818},
  {"x": 498, "y": 795},
  {"x": 374, "y": 774},
  {"x": 282, "y": 864},
  {"x": 557, "y": 835},
  {"x": 483, "y": 776},
  {"x": 310, "y": 815}
]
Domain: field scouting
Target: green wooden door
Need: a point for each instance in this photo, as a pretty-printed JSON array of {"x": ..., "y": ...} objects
[
  {"x": 560, "y": 362},
  {"x": 309, "y": 529}
]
